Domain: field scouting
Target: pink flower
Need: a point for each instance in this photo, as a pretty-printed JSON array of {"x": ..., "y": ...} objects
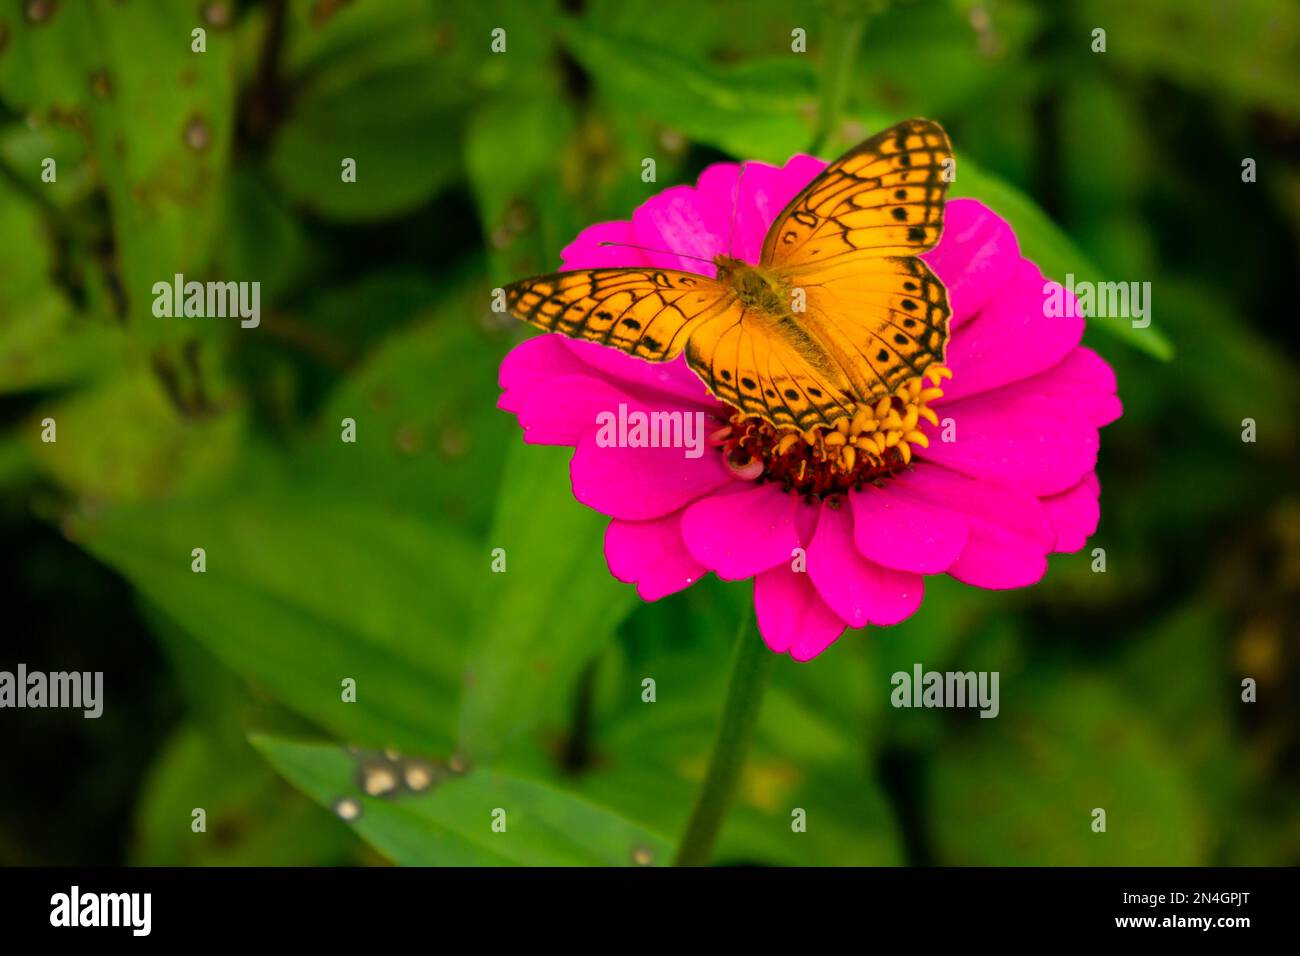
[{"x": 1012, "y": 482}]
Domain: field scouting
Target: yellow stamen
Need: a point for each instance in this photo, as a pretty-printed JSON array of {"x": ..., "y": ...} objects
[{"x": 787, "y": 442}]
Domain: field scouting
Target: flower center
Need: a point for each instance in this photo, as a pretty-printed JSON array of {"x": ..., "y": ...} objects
[{"x": 875, "y": 443}]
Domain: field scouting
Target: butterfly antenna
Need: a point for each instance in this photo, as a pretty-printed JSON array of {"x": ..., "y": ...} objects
[
  {"x": 735, "y": 205},
  {"x": 662, "y": 252}
]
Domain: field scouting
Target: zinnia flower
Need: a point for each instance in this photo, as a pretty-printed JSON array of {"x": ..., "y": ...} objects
[{"x": 981, "y": 480}]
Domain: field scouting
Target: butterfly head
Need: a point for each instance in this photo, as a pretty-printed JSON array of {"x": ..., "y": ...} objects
[
  {"x": 731, "y": 270},
  {"x": 756, "y": 287}
]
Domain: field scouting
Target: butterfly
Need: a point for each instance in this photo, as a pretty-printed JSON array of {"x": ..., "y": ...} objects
[{"x": 838, "y": 312}]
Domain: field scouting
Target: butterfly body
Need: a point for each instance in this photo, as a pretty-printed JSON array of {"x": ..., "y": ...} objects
[
  {"x": 838, "y": 313},
  {"x": 756, "y": 288}
]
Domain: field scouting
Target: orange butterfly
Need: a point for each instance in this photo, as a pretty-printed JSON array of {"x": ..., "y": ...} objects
[{"x": 838, "y": 313}]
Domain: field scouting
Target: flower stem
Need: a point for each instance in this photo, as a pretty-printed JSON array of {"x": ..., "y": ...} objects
[
  {"x": 751, "y": 662},
  {"x": 841, "y": 50}
]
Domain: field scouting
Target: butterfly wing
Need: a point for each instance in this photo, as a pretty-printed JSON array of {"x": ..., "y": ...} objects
[
  {"x": 884, "y": 197},
  {"x": 654, "y": 314},
  {"x": 883, "y": 320},
  {"x": 778, "y": 374},
  {"x": 850, "y": 239},
  {"x": 875, "y": 315},
  {"x": 647, "y": 313}
]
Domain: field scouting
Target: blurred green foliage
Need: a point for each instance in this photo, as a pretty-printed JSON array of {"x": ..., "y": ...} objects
[{"x": 370, "y": 560}]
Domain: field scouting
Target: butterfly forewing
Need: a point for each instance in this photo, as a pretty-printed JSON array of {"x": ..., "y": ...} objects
[
  {"x": 643, "y": 312},
  {"x": 850, "y": 239},
  {"x": 782, "y": 378},
  {"x": 884, "y": 197}
]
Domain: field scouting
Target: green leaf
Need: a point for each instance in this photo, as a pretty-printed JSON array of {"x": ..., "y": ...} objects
[
  {"x": 25, "y": 147},
  {"x": 302, "y": 592},
  {"x": 1021, "y": 789},
  {"x": 163, "y": 451},
  {"x": 647, "y": 759},
  {"x": 553, "y": 609},
  {"x": 761, "y": 109},
  {"x": 1248, "y": 53},
  {"x": 928, "y": 59},
  {"x": 368, "y": 87},
  {"x": 1228, "y": 369},
  {"x": 513, "y": 150},
  {"x": 389, "y": 122},
  {"x": 451, "y": 823},
  {"x": 251, "y": 818},
  {"x": 390, "y": 86},
  {"x": 42, "y": 341},
  {"x": 429, "y": 438},
  {"x": 258, "y": 236},
  {"x": 157, "y": 117},
  {"x": 1052, "y": 250}
]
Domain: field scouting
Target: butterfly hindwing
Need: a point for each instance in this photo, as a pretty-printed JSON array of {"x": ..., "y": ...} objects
[
  {"x": 885, "y": 320},
  {"x": 645, "y": 312},
  {"x": 746, "y": 364}
]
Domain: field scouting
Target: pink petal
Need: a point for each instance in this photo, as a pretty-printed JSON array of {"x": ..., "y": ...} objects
[
  {"x": 637, "y": 484},
  {"x": 905, "y": 533},
  {"x": 683, "y": 219},
  {"x": 560, "y": 410},
  {"x": 1075, "y": 514},
  {"x": 1040, "y": 444},
  {"x": 1083, "y": 380},
  {"x": 532, "y": 361},
  {"x": 859, "y": 591},
  {"x": 651, "y": 555},
  {"x": 976, "y": 256},
  {"x": 791, "y": 617},
  {"x": 1010, "y": 339},
  {"x": 667, "y": 378},
  {"x": 1009, "y": 531},
  {"x": 743, "y": 532},
  {"x": 974, "y": 498},
  {"x": 588, "y": 252},
  {"x": 763, "y": 192}
]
